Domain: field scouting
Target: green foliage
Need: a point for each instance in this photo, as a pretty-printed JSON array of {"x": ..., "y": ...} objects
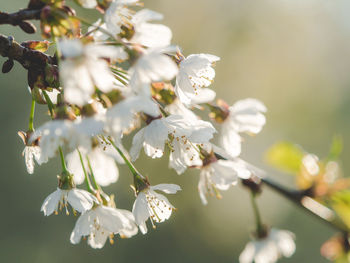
[
  {"x": 336, "y": 147},
  {"x": 341, "y": 204},
  {"x": 285, "y": 156}
]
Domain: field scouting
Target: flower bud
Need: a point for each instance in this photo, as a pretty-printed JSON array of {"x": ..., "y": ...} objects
[
  {"x": 253, "y": 183},
  {"x": 51, "y": 76},
  {"x": 140, "y": 183},
  {"x": 36, "y": 4},
  {"x": 7, "y": 66},
  {"x": 37, "y": 96},
  {"x": 27, "y": 27},
  {"x": 163, "y": 92},
  {"x": 219, "y": 112},
  {"x": 65, "y": 181}
]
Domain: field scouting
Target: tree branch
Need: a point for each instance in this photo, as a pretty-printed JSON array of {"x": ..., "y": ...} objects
[
  {"x": 28, "y": 58},
  {"x": 16, "y": 18},
  {"x": 308, "y": 204},
  {"x": 302, "y": 198},
  {"x": 19, "y": 19}
]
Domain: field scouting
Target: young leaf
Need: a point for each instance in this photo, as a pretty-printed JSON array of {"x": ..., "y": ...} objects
[
  {"x": 336, "y": 147},
  {"x": 285, "y": 156},
  {"x": 341, "y": 204}
]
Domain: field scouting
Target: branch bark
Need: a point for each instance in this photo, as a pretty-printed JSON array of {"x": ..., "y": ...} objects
[
  {"x": 16, "y": 18},
  {"x": 28, "y": 58},
  {"x": 302, "y": 199}
]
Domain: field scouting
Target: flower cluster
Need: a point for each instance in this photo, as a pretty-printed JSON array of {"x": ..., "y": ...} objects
[{"x": 120, "y": 77}]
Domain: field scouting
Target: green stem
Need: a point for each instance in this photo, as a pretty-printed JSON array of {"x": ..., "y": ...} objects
[
  {"x": 63, "y": 162},
  {"x": 56, "y": 43},
  {"x": 259, "y": 226},
  {"x": 49, "y": 103},
  {"x": 126, "y": 160},
  {"x": 87, "y": 179},
  {"x": 100, "y": 29},
  {"x": 92, "y": 174},
  {"x": 31, "y": 116}
]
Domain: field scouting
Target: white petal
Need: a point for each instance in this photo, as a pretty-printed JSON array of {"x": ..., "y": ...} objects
[
  {"x": 230, "y": 140},
  {"x": 98, "y": 238},
  {"x": 166, "y": 188},
  {"x": 88, "y": 3},
  {"x": 51, "y": 202},
  {"x": 75, "y": 167},
  {"x": 137, "y": 143},
  {"x": 140, "y": 210},
  {"x": 81, "y": 200},
  {"x": 247, "y": 115},
  {"x": 247, "y": 255},
  {"x": 155, "y": 135},
  {"x": 82, "y": 227}
]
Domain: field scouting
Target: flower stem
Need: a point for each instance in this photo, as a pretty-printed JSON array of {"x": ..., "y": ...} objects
[
  {"x": 31, "y": 116},
  {"x": 104, "y": 31},
  {"x": 87, "y": 179},
  {"x": 63, "y": 162},
  {"x": 132, "y": 168},
  {"x": 259, "y": 226},
  {"x": 49, "y": 103},
  {"x": 54, "y": 39},
  {"x": 92, "y": 174}
]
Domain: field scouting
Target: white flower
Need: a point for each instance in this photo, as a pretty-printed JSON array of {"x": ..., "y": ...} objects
[
  {"x": 178, "y": 108},
  {"x": 123, "y": 116},
  {"x": 102, "y": 222},
  {"x": 96, "y": 33},
  {"x": 88, "y": 3},
  {"x": 153, "y": 65},
  {"x": 80, "y": 200},
  {"x": 83, "y": 68},
  {"x": 148, "y": 34},
  {"x": 195, "y": 72},
  {"x": 104, "y": 167},
  {"x": 278, "y": 243},
  {"x": 67, "y": 134},
  {"x": 244, "y": 116},
  {"x": 179, "y": 133},
  {"x": 184, "y": 152},
  {"x": 203, "y": 95},
  {"x": 53, "y": 134},
  {"x": 149, "y": 204},
  {"x": 220, "y": 175},
  {"x": 30, "y": 153},
  {"x": 118, "y": 15}
]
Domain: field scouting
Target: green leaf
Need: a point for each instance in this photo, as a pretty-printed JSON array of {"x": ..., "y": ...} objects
[
  {"x": 285, "y": 156},
  {"x": 341, "y": 205},
  {"x": 336, "y": 147}
]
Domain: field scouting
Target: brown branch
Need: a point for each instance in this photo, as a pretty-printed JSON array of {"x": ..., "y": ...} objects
[
  {"x": 19, "y": 19},
  {"x": 298, "y": 197},
  {"x": 42, "y": 68},
  {"x": 28, "y": 58}
]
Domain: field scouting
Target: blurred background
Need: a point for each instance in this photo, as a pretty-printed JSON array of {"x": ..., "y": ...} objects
[{"x": 294, "y": 55}]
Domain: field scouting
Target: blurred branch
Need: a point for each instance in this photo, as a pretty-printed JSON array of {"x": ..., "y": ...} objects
[
  {"x": 28, "y": 58},
  {"x": 302, "y": 198},
  {"x": 19, "y": 19},
  {"x": 308, "y": 204}
]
